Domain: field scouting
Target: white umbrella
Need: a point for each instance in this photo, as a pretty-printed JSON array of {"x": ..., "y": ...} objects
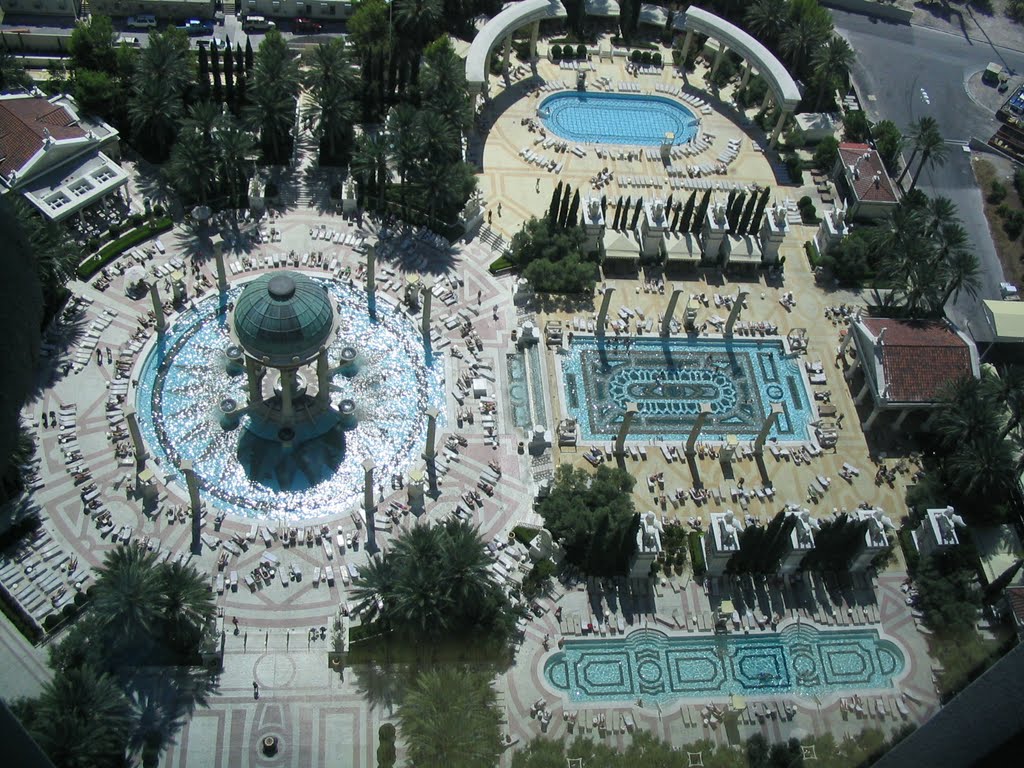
[
  {"x": 135, "y": 275},
  {"x": 201, "y": 212}
]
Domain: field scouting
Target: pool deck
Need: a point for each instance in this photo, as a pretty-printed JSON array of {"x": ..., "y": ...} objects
[{"x": 322, "y": 716}]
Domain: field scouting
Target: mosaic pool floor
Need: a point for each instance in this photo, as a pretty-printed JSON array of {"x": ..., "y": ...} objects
[
  {"x": 647, "y": 663},
  {"x": 669, "y": 379}
]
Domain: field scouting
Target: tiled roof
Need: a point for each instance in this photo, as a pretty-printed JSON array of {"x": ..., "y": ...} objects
[
  {"x": 868, "y": 165},
  {"x": 22, "y": 122},
  {"x": 1015, "y": 597},
  {"x": 919, "y": 357}
]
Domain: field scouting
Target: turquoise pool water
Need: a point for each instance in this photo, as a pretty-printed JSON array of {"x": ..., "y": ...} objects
[
  {"x": 184, "y": 378},
  {"x": 668, "y": 379},
  {"x": 800, "y": 660},
  {"x": 614, "y": 118}
]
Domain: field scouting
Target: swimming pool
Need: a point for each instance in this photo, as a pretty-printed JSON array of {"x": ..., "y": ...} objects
[
  {"x": 800, "y": 660},
  {"x": 613, "y": 118},
  {"x": 669, "y": 379},
  {"x": 184, "y": 377}
]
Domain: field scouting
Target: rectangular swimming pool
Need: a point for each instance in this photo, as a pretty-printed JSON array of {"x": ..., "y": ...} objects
[
  {"x": 800, "y": 660},
  {"x": 669, "y": 379}
]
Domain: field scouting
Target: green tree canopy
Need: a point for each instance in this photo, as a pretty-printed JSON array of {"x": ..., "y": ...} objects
[
  {"x": 593, "y": 518},
  {"x": 551, "y": 257},
  {"x": 94, "y": 45}
]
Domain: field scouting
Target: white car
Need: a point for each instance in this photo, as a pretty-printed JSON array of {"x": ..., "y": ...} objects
[{"x": 143, "y": 21}]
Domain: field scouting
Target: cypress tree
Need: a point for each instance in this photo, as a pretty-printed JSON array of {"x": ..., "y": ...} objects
[
  {"x": 215, "y": 69},
  {"x": 239, "y": 60},
  {"x": 563, "y": 210},
  {"x": 556, "y": 197},
  {"x": 636, "y": 213},
  {"x": 229, "y": 80},
  {"x": 688, "y": 212},
  {"x": 241, "y": 95},
  {"x": 702, "y": 212},
  {"x": 248, "y": 54},
  {"x": 204, "y": 69},
  {"x": 618, "y": 213},
  {"x": 748, "y": 213},
  {"x": 733, "y": 216},
  {"x": 574, "y": 210},
  {"x": 759, "y": 211}
]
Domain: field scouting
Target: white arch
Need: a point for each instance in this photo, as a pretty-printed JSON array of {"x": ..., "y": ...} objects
[
  {"x": 782, "y": 85},
  {"x": 501, "y": 26}
]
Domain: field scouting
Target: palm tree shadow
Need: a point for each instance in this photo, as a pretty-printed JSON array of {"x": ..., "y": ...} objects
[
  {"x": 163, "y": 699},
  {"x": 383, "y": 685},
  {"x": 69, "y": 334}
]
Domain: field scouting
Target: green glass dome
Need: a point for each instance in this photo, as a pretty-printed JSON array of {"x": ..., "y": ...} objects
[{"x": 281, "y": 316}]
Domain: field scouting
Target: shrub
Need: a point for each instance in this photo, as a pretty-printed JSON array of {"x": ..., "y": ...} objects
[
  {"x": 556, "y": 52},
  {"x": 112, "y": 250},
  {"x": 1018, "y": 183},
  {"x": 92, "y": 244},
  {"x": 1013, "y": 224},
  {"x": 696, "y": 555},
  {"x": 115, "y": 229},
  {"x": 51, "y": 621},
  {"x": 656, "y": 58},
  {"x": 635, "y": 56},
  {"x": 137, "y": 219},
  {"x": 809, "y": 215},
  {"x": 499, "y": 265},
  {"x": 646, "y": 57},
  {"x": 813, "y": 257},
  {"x": 826, "y": 154},
  {"x": 158, "y": 210},
  {"x": 794, "y": 168},
  {"x": 581, "y": 52},
  {"x": 997, "y": 193},
  {"x": 804, "y": 201}
]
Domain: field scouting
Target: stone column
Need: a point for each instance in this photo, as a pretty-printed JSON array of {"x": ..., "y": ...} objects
[
  {"x": 429, "y": 449},
  {"x": 287, "y": 387},
  {"x": 602, "y": 314},
  {"x": 368, "y": 467},
  {"x": 765, "y": 101},
  {"x": 505, "y": 57},
  {"x": 874, "y": 415},
  {"x": 769, "y": 422},
  {"x": 222, "y": 275},
  {"x": 698, "y": 425},
  {"x": 778, "y": 129},
  {"x": 734, "y": 314},
  {"x": 323, "y": 377},
  {"x": 666, "y": 321},
  {"x": 253, "y": 379},
  {"x": 194, "y": 502},
  {"x": 746, "y": 74},
  {"x": 627, "y": 420},
  {"x": 371, "y": 278},
  {"x": 428, "y": 295},
  {"x": 901, "y": 418},
  {"x": 863, "y": 394},
  {"x": 854, "y": 367},
  {"x": 847, "y": 340},
  {"x": 718, "y": 59},
  {"x": 534, "y": 32},
  {"x": 139, "y": 448},
  {"x": 687, "y": 42},
  {"x": 158, "y": 307}
]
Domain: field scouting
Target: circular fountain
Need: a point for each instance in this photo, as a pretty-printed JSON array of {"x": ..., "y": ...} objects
[
  {"x": 234, "y": 360},
  {"x": 297, "y": 460}
]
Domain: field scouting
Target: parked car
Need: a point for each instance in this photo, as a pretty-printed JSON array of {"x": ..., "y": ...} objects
[
  {"x": 307, "y": 26},
  {"x": 142, "y": 21},
  {"x": 257, "y": 24},
  {"x": 197, "y": 27}
]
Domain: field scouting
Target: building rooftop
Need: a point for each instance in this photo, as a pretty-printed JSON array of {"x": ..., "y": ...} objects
[
  {"x": 866, "y": 173},
  {"x": 26, "y": 123},
  {"x": 283, "y": 318},
  {"x": 913, "y": 359}
]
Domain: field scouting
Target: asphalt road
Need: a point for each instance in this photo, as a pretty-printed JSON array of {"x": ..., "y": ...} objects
[{"x": 904, "y": 73}]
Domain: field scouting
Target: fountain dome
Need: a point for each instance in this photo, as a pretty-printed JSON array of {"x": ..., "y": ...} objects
[{"x": 283, "y": 318}]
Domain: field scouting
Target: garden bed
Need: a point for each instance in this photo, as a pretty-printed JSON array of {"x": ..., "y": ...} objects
[{"x": 115, "y": 248}]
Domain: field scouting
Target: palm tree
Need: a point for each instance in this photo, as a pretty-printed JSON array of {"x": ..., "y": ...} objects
[
  {"x": 831, "y": 64},
  {"x": 767, "y": 20},
  {"x": 370, "y": 164},
  {"x": 154, "y": 112},
  {"x": 982, "y": 468},
  {"x": 443, "y": 84},
  {"x": 186, "y": 608},
  {"x": 234, "y": 149},
  {"x": 331, "y": 88},
  {"x": 374, "y": 588},
  {"x": 934, "y": 152},
  {"x": 963, "y": 273},
  {"x": 127, "y": 595},
  {"x": 917, "y": 134},
  {"x": 274, "y": 91},
  {"x": 802, "y": 38},
  {"x": 406, "y": 144},
  {"x": 450, "y": 718},
  {"x": 1007, "y": 389},
  {"x": 82, "y": 720},
  {"x": 965, "y": 414},
  {"x": 417, "y": 21}
]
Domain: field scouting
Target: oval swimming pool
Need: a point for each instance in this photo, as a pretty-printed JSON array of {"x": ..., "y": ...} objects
[{"x": 616, "y": 118}]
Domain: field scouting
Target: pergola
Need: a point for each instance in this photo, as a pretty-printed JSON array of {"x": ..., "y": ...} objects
[{"x": 781, "y": 86}]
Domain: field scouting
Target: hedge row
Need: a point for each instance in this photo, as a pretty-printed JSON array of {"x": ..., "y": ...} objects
[
  {"x": 696, "y": 555},
  {"x": 113, "y": 249},
  {"x": 646, "y": 58},
  {"x": 568, "y": 52}
]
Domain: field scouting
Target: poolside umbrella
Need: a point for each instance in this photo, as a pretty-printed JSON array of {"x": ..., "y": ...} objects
[{"x": 135, "y": 275}]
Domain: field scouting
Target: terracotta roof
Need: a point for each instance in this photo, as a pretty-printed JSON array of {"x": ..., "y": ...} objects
[
  {"x": 869, "y": 165},
  {"x": 22, "y": 122},
  {"x": 1015, "y": 598},
  {"x": 919, "y": 357}
]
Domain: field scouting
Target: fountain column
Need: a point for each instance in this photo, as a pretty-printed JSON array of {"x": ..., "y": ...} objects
[
  {"x": 718, "y": 59},
  {"x": 138, "y": 447},
  {"x": 627, "y": 421},
  {"x": 428, "y": 295},
  {"x": 194, "y": 502},
  {"x": 429, "y": 450},
  {"x": 323, "y": 377},
  {"x": 252, "y": 377},
  {"x": 778, "y": 129},
  {"x": 769, "y": 422},
  {"x": 158, "y": 307},
  {"x": 534, "y": 32},
  {"x": 746, "y": 74},
  {"x": 371, "y": 279},
  {"x": 698, "y": 425},
  {"x": 506, "y": 57},
  {"x": 287, "y": 394},
  {"x": 666, "y": 321},
  {"x": 368, "y": 467},
  {"x": 687, "y": 43},
  {"x": 602, "y": 314},
  {"x": 734, "y": 313},
  {"x": 765, "y": 101},
  {"x": 222, "y": 275}
]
